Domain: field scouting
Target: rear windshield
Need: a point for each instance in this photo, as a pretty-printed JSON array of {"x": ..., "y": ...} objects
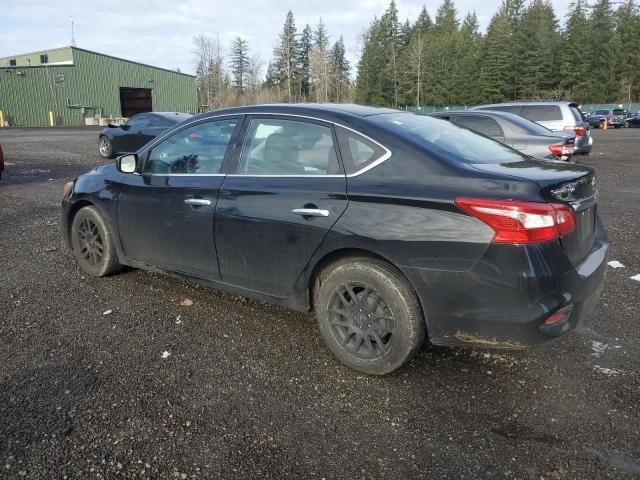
[
  {"x": 618, "y": 112},
  {"x": 447, "y": 139},
  {"x": 541, "y": 113}
]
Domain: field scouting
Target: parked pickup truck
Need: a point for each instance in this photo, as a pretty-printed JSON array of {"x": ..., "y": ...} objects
[{"x": 615, "y": 118}]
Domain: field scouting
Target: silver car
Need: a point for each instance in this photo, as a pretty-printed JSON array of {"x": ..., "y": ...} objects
[{"x": 556, "y": 116}]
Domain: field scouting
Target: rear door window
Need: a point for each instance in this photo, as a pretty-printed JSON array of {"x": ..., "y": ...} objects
[
  {"x": 275, "y": 146},
  {"x": 541, "y": 113}
]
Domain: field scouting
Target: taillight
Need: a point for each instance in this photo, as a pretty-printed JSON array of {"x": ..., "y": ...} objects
[
  {"x": 561, "y": 150},
  {"x": 521, "y": 222},
  {"x": 559, "y": 316},
  {"x": 579, "y": 131}
]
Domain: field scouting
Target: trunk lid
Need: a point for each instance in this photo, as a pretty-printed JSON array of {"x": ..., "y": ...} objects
[{"x": 559, "y": 182}]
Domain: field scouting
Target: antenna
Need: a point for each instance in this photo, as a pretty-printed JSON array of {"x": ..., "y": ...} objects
[{"x": 73, "y": 40}]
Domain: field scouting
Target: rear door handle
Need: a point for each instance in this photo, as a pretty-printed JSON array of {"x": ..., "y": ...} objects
[
  {"x": 200, "y": 202},
  {"x": 311, "y": 212}
]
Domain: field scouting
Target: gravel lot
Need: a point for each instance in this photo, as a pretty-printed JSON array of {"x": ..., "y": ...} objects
[{"x": 249, "y": 390}]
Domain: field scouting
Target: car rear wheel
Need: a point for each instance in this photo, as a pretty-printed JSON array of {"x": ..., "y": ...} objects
[
  {"x": 369, "y": 315},
  {"x": 92, "y": 243},
  {"x": 105, "y": 147}
]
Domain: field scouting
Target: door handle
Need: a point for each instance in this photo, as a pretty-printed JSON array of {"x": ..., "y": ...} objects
[
  {"x": 311, "y": 212},
  {"x": 199, "y": 202}
]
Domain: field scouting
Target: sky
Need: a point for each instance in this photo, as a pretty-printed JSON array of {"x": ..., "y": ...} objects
[{"x": 160, "y": 32}]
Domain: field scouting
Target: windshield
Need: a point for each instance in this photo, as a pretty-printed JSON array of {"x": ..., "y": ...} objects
[{"x": 446, "y": 139}]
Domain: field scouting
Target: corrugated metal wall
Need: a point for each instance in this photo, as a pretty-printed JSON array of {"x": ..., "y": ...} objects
[{"x": 94, "y": 82}]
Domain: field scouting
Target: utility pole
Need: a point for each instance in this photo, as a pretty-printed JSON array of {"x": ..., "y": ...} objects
[{"x": 73, "y": 40}]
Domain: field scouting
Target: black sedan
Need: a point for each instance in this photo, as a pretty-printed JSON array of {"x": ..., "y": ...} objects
[
  {"x": 529, "y": 137},
  {"x": 390, "y": 226},
  {"x": 136, "y": 132},
  {"x": 633, "y": 121}
]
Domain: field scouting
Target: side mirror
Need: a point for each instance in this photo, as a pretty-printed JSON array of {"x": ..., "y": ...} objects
[{"x": 127, "y": 163}]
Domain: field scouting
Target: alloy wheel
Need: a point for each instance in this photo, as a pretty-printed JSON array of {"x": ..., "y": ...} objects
[
  {"x": 90, "y": 240},
  {"x": 104, "y": 147},
  {"x": 361, "y": 321}
]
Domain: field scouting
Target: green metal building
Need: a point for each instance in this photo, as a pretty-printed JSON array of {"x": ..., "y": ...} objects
[{"x": 80, "y": 87}]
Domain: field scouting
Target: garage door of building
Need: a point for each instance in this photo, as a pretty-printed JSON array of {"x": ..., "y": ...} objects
[{"x": 134, "y": 101}]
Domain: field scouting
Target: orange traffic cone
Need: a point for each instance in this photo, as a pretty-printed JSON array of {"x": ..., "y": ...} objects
[{"x": 606, "y": 124}]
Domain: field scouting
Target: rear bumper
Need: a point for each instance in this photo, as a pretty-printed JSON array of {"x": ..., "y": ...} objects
[
  {"x": 503, "y": 301},
  {"x": 583, "y": 145}
]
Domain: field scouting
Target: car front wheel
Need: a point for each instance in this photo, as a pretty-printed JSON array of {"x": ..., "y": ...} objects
[
  {"x": 92, "y": 243},
  {"x": 369, "y": 315},
  {"x": 105, "y": 147}
]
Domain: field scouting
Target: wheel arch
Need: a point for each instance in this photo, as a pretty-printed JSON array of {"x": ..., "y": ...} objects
[
  {"x": 73, "y": 211},
  {"x": 71, "y": 214},
  {"x": 346, "y": 254}
]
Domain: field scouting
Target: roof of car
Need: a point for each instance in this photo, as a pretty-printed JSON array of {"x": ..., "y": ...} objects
[
  {"x": 518, "y": 103},
  {"x": 497, "y": 113},
  {"x": 318, "y": 109}
]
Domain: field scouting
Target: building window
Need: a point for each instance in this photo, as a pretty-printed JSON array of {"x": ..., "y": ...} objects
[
  {"x": 44, "y": 58},
  {"x": 12, "y": 62},
  {"x": 59, "y": 80}
]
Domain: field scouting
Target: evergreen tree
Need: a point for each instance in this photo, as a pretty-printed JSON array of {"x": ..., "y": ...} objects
[
  {"x": 515, "y": 47},
  {"x": 628, "y": 35},
  {"x": 540, "y": 61},
  {"x": 605, "y": 59},
  {"x": 321, "y": 37},
  {"x": 445, "y": 61},
  {"x": 575, "y": 43},
  {"x": 496, "y": 66},
  {"x": 468, "y": 86},
  {"x": 320, "y": 68},
  {"x": 340, "y": 69},
  {"x": 423, "y": 23},
  {"x": 305, "y": 44},
  {"x": 388, "y": 34},
  {"x": 240, "y": 63},
  {"x": 285, "y": 56}
]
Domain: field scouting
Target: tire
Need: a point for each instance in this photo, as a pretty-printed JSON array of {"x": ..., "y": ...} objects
[
  {"x": 105, "y": 147},
  {"x": 626, "y": 124},
  {"x": 92, "y": 243},
  {"x": 381, "y": 330},
  {"x": 601, "y": 123}
]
